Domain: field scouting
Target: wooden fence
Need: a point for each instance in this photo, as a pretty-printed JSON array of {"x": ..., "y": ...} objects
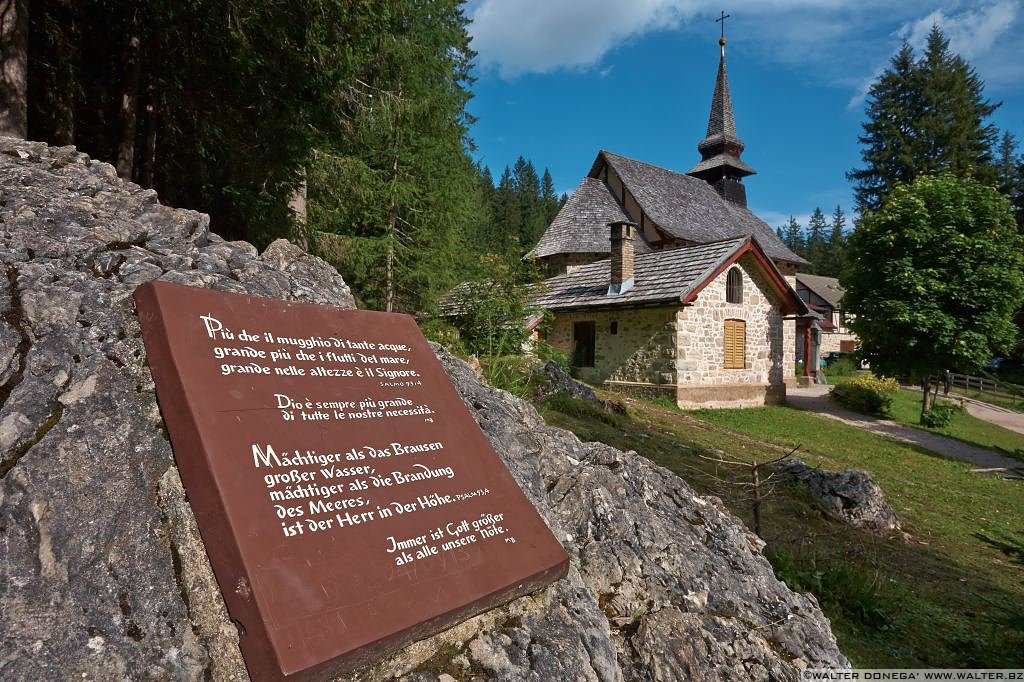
[{"x": 983, "y": 384}]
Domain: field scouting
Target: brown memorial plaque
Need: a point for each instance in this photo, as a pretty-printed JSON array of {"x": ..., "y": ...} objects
[{"x": 348, "y": 501}]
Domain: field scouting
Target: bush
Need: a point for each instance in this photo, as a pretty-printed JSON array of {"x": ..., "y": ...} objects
[
  {"x": 940, "y": 414},
  {"x": 445, "y": 334},
  {"x": 491, "y": 311},
  {"x": 512, "y": 373},
  {"x": 545, "y": 352},
  {"x": 867, "y": 394},
  {"x": 843, "y": 367}
]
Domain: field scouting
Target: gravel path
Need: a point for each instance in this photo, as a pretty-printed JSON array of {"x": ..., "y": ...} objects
[{"x": 815, "y": 399}]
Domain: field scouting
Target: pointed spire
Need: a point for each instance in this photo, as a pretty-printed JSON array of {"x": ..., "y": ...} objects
[
  {"x": 721, "y": 148},
  {"x": 721, "y": 124}
]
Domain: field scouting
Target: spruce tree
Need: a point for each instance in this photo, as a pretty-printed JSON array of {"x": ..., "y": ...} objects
[
  {"x": 924, "y": 115},
  {"x": 548, "y": 197},
  {"x": 835, "y": 251},
  {"x": 794, "y": 237},
  {"x": 953, "y": 129},
  {"x": 507, "y": 213},
  {"x": 1010, "y": 169},
  {"x": 816, "y": 244},
  {"x": 531, "y": 209},
  {"x": 400, "y": 189}
]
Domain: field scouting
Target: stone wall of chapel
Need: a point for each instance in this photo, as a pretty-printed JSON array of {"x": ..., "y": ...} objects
[
  {"x": 700, "y": 334},
  {"x": 642, "y": 350},
  {"x": 789, "y": 328}
]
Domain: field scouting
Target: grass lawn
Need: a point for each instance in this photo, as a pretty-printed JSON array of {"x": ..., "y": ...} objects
[
  {"x": 1002, "y": 400},
  {"x": 906, "y": 409},
  {"x": 952, "y": 597}
]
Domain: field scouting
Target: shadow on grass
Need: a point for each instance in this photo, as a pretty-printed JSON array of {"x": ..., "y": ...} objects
[
  {"x": 891, "y": 604},
  {"x": 1011, "y": 547}
]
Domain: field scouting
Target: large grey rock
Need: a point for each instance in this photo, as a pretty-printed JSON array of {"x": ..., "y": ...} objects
[
  {"x": 556, "y": 381},
  {"x": 103, "y": 574},
  {"x": 850, "y": 496}
]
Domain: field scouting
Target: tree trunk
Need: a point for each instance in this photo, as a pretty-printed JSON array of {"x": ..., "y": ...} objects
[
  {"x": 14, "y": 68},
  {"x": 297, "y": 205},
  {"x": 925, "y": 387},
  {"x": 389, "y": 266},
  {"x": 128, "y": 115},
  {"x": 147, "y": 167},
  {"x": 63, "y": 119},
  {"x": 389, "y": 261}
]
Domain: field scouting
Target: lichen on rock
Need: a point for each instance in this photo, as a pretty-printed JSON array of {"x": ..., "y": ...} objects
[{"x": 103, "y": 571}]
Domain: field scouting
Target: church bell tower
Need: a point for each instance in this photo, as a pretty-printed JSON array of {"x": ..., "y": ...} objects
[{"x": 720, "y": 150}]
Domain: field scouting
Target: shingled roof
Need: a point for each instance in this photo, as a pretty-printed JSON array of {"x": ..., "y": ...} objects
[
  {"x": 721, "y": 147},
  {"x": 826, "y": 287},
  {"x": 581, "y": 226},
  {"x": 669, "y": 276},
  {"x": 689, "y": 208}
]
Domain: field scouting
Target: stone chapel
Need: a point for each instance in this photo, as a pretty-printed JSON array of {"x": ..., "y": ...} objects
[{"x": 664, "y": 283}]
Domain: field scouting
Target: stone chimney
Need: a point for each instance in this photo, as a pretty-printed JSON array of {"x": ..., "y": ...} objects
[{"x": 623, "y": 233}]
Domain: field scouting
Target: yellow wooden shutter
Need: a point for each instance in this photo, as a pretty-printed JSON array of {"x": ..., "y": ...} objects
[{"x": 735, "y": 344}]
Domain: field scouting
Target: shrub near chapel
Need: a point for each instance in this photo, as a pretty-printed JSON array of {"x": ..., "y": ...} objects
[{"x": 867, "y": 394}]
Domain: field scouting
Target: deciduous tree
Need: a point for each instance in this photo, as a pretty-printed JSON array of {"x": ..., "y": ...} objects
[{"x": 935, "y": 276}]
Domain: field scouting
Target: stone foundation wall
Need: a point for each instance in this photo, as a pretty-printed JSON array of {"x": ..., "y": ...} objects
[
  {"x": 642, "y": 351},
  {"x": 642, "y": 391},
  {"x": 693, "y": 397},
  {"x": 700, "y": 334}
]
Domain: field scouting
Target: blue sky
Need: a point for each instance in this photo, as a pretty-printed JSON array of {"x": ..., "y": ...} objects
[{"x": 560, "y": 79}]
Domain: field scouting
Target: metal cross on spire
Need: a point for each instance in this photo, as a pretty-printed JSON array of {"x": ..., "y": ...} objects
[
  {"x": 721, "y": 41},
  {"x": 722, "y": 19}
]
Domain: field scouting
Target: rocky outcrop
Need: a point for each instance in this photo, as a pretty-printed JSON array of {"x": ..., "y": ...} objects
[
  {"x": 850, "y": 496},
  {"x": 552, "y": 380},
  {"x": 103, "y": 574}
]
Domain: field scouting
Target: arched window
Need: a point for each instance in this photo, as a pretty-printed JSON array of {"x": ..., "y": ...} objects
[{"x": 734, "y": 286}]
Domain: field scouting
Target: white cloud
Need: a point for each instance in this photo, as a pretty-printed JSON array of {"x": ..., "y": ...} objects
[
  {"x": 971, "y": 33},
  {"x": 841, "y": 43},
  {"x": 538, "y": 36},
  {"x": 521, "y": 36},
  {"x": 980, "y": 35}
]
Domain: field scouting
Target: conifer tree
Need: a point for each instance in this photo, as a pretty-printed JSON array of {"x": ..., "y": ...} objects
[
  {"x": 400, "y": 189},
  {"x": 507, "y": 213},
  {"x": 1010, "y": 168},
  {"x": 794, "y": 237},
  {"x": 924, "y": 115},
  {"x": 549, "y": 198},
  {"x": 531, "y": 209},
  {"x": 834, "y": 257},
  {"x": 816, "y": 243}
]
